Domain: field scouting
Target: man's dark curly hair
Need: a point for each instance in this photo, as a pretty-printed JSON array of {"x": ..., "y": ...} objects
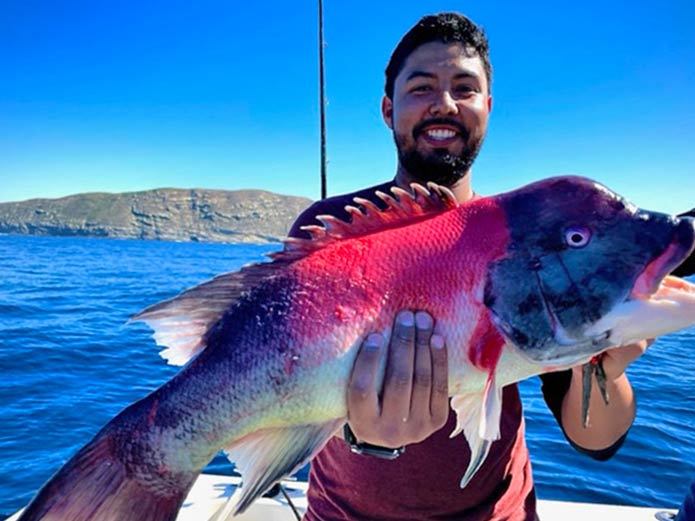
[{"x": 445, "y": 28}]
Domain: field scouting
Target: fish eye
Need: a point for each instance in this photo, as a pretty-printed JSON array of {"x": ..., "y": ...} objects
[{"x": 577, "y": 236}]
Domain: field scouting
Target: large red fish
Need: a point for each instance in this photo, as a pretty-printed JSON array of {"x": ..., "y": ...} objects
[{"x": 533, "y": 280}]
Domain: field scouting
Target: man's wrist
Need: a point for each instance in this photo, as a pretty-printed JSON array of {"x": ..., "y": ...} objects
[{"x": 368, "y": 449}]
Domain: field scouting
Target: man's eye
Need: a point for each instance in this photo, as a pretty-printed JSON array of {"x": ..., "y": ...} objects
[
  {"x": 465, "y": 89},
  {"x": 421, "y": 88}
]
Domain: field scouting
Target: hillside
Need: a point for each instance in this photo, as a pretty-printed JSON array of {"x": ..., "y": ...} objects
[{"x": 241, "y": 216}]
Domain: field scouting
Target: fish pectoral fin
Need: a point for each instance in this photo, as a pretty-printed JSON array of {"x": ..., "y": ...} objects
[
  {"x": 479, "y": 451},
  {"x": 478, "y": 417},
  {"x": 587, "y": 373},
  {"x": 590, "y": 369},
  {"x": 268, "y": 455}
]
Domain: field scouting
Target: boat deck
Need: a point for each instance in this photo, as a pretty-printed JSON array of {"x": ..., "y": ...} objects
[{"x": 211, "y": 493}]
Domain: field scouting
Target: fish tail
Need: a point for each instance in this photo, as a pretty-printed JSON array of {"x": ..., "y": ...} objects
[{"x": 96, "y": 485}]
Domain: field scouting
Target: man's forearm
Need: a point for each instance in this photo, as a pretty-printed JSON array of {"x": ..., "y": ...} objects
[{"x": 607, "y": 423}]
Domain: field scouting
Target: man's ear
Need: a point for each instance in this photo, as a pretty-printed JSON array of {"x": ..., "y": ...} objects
[
  {"x": 489, "y": 104},
  {"x": 387, "y": 111}
]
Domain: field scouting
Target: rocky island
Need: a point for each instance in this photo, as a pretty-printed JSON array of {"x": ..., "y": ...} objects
[{"x": 171, "y": 214}]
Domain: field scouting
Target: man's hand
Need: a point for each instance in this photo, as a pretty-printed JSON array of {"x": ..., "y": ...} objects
[
  {"x": 616, "y": 360},
  {"x": 414, "y": 400}
]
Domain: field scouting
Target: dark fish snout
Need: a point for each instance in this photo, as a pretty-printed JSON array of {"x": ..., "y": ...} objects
[
  {"x": 686, "y": 230},
  {"x": 685, "y": 234},
  {"x": 683, "y": 241},
  {"x": 674, "y": 240}
]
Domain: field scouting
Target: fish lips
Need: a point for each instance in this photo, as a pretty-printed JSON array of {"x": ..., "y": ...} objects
[{"x": 680, "y": 248}]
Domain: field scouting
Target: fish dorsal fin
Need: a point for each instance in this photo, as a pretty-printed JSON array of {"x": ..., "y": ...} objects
[
  {"x": 180, "y": 324},
  {"x": 402, "y": 208}
]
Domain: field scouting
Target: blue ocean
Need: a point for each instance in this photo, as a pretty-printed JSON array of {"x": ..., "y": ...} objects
[{"x": 69, "y": 362}]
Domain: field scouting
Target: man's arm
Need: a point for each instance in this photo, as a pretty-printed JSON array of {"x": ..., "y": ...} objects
[{"x": 607, "y": 423}]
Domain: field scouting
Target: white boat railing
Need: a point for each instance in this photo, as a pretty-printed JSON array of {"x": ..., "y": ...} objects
[{"x": 209, "y": 500}]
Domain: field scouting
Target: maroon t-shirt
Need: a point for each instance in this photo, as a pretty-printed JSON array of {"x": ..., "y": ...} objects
[{"x": 423, "y": 483}]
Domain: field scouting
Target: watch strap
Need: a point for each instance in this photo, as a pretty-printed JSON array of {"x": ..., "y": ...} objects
[{"x": 368, "y": 449}]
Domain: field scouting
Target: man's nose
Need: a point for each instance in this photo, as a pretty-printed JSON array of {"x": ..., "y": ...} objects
[{"x": 444, "y": 103}]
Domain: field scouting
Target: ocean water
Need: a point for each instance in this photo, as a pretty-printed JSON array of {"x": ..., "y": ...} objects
[{"x": 69, "y": 363}]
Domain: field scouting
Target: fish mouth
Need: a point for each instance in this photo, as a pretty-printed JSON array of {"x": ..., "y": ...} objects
[
  {"x": 651, "y": 279},
  {"x": 659, "y": 303},
  {"x": 672, "y": 286},
  {"x": 669, "y": 308}
]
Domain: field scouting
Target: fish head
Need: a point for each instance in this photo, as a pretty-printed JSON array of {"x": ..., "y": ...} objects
[{"x": 586, "y": 270}]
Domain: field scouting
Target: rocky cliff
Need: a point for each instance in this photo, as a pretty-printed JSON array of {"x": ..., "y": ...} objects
[{"x": 242, "y": 216}]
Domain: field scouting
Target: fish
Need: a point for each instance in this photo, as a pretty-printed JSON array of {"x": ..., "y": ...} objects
[{"x": 537, "y": 279}]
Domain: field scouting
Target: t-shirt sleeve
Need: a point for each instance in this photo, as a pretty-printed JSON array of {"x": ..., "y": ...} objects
[
  {"x": 306, "y": 218},
  {"x": 554, "y": 388},
  {"x": 335, "y": 206}
]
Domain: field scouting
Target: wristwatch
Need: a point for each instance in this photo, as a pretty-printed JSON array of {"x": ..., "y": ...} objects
[{"x": 368, "y": 449}]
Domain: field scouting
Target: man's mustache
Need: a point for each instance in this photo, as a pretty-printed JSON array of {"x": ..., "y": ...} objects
[{"x": 420, "y": 127}]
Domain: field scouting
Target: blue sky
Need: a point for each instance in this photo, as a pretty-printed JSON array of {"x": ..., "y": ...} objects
[{"x": 123, "y": 96}]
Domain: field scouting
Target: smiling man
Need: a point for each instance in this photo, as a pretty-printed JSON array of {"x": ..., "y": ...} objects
[
  {"x": 437, "y": 107},
  {"x": 398, "y": 461}
]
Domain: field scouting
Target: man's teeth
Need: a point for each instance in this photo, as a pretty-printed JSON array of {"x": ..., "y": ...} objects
[{"x": 440, "y": 133}]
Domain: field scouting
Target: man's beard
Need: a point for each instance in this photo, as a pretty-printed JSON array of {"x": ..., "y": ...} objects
[{"x": 438, "y": 166}]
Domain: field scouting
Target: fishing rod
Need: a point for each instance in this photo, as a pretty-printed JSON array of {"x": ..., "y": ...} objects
[{"x": 322, "y": 103}]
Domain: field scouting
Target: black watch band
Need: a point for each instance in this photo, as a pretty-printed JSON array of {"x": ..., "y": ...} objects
[{"x": 368, "y": 449}]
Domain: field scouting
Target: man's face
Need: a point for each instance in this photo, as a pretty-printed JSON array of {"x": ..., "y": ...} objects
[{"x": 439, "y": 112}]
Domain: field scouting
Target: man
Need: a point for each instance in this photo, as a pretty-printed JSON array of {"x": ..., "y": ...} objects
[{"x": 437, "y": 103}]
